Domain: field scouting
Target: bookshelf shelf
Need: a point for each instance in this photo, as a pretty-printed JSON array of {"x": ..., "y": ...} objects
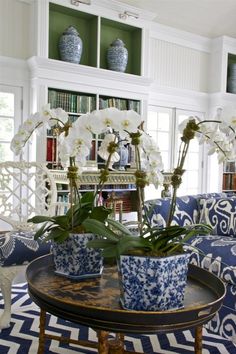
[
  {"x": 72, "y": 101},
  {"x": 89, "y": 179}
]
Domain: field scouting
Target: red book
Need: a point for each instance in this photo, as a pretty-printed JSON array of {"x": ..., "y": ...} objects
[{"x": 51, "y": 149}]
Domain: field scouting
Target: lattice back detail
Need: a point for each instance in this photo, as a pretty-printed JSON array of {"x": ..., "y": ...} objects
[{"x": 26, "y": 189}]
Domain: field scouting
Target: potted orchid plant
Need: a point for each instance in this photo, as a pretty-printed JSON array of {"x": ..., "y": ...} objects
[
  {"x": 74, "y": 147},
  {"x": 153, "y": 265}
]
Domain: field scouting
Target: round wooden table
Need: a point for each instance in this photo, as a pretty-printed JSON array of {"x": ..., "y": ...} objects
[{"x": 95, "y": 303}]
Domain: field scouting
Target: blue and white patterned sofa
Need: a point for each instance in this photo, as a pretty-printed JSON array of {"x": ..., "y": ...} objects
[{"x": 218, "y": 250}]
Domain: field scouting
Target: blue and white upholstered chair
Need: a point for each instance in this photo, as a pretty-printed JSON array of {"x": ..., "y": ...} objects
[{"x": 26, "y": 189}]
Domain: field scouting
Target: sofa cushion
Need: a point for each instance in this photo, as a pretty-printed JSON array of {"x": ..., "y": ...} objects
[
  {"x": 186, "y": 211},
  {"x": 216, "y": 254},
  {"x": 17, "y": 248},
  {"x": 220, "y": 213}
]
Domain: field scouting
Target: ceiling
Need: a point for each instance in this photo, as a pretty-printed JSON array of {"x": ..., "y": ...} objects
[{"x": 209, "y": 18}]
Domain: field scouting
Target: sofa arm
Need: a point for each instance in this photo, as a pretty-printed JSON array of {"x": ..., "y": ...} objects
[{"x": 216, "y": 254}]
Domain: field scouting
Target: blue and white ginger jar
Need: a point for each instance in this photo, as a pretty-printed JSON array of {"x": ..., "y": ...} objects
[
  {"x": 70, "y": 45},
  {"x": 73, "y": 259},
  {"x": 117, "y": 56},
  {"x": 153, "y": 283}
]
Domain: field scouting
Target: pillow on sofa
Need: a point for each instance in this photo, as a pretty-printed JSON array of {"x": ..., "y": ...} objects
[
  {"x": 220, "y": 213},
  {"x": 186, "y": 211}
]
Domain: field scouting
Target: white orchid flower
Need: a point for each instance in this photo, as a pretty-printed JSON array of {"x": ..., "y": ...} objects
[
  {"x": 155, "y": 177},
  {"x": 105, "y": 118},
  {"x": 57, "y": 114},
  {"x": 44, "y": 115},
  {"x": 128, "y": 121},
  {"x": 103, "y": 149},
  {"x": 30, "y": 124},
  {"x": 17, "y": 145},
  {"x": 226, "y": 114}
]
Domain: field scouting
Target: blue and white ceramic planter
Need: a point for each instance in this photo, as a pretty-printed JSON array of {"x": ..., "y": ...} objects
[
  {"x": 152, "y": 283},
  {"x": 70, "y": 45},
  {"x": 74, "y": 259},
  {"x": 117, "y": 56}
]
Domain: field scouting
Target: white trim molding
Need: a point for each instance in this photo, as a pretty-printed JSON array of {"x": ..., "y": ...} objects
[
  {"x": 89, "y": 78},
  {"x": 178, "y": 98}
]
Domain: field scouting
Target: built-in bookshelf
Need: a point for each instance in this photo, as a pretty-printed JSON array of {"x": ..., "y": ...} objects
[
  {"x": 229, "y": 177},
  {"x": 77, "y": 104}
]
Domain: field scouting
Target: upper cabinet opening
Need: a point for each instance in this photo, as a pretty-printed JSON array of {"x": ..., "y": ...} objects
[
  {"x": 131, "y": 37},
  {"x": 60, "y": 18}
]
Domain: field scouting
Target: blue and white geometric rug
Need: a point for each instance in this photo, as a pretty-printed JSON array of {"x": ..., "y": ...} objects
[{"x": 22, "y": 336}]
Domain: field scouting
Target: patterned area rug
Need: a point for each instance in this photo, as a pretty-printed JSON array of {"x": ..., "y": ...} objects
[{"x": 22, "y": 336}]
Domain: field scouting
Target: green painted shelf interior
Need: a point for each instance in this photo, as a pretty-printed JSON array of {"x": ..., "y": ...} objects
[
  {"x": 131, "y": 36},
  {"x": 60, "y": 18}
]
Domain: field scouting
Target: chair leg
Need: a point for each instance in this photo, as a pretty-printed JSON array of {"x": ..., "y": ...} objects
[{"x": 7, "y": 274}]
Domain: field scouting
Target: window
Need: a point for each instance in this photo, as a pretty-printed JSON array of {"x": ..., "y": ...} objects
[
  {"x": 162, "y": 125},
  {"x": 10, "y": 118}
]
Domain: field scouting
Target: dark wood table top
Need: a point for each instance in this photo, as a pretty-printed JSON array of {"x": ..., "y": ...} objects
[{"x": 95, "y": 302}]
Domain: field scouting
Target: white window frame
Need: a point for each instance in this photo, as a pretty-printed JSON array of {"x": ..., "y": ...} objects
[
  {"x": 173, "y": 142},
  {"x": 17, "y": 91}
]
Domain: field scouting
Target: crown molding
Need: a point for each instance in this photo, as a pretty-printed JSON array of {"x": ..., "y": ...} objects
[
  {"x": 175, "y": 97},
  {"x": 41, "y": 69},
  {"x": 180, "y": 37}
]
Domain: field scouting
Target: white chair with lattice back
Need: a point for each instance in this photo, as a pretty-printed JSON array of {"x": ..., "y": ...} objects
[{"x": 26, "y": 189}]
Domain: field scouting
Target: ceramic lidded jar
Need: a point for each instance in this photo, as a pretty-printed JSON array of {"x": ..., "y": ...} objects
[
  {"x": 117, "y": 56},
  {"x": 70, "y": 45}
]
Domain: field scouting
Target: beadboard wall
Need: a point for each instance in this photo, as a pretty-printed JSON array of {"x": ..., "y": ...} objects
[
  {"x": 173, "y": 65},
  {"x": 15, "y": 29}
]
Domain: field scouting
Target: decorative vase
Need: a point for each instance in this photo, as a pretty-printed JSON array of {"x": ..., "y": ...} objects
[
  {"x": 70, "y": 45},
  {"x": 153, "y": 283},
  {"x": 117, "y": 56},
  {"x": 73, "y": 259},
  {"x": 124, "y": 156}
]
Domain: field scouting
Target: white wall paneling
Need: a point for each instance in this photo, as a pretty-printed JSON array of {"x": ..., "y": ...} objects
[
  {"x": 14, "y": 72},
  {"x": 173, "y": 65},
  {"x": 15, "y": 29}
]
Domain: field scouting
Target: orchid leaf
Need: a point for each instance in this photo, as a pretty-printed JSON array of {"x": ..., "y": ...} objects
[
  {"x": 39, "y": 219},
  {"x": 99, "y": 228}
]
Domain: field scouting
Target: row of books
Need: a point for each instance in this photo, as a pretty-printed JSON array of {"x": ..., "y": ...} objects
[
  {"x": 71, "y": 102},
  {"x": 229, "y": 166},
  {"x": 229, "y": 182},
  {"x": 120, "y": 103},
  {"x": 77, "y": 103}
]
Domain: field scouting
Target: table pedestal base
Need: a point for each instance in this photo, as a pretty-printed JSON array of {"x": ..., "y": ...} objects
[
  {"x": 104, "y": 345},
  {"x": 110, "y": 346}
]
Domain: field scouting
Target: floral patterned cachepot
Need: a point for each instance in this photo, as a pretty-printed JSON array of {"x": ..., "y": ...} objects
[
  {"x": 153, "y": 283},
  {"x": 73, "y": 259}
]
